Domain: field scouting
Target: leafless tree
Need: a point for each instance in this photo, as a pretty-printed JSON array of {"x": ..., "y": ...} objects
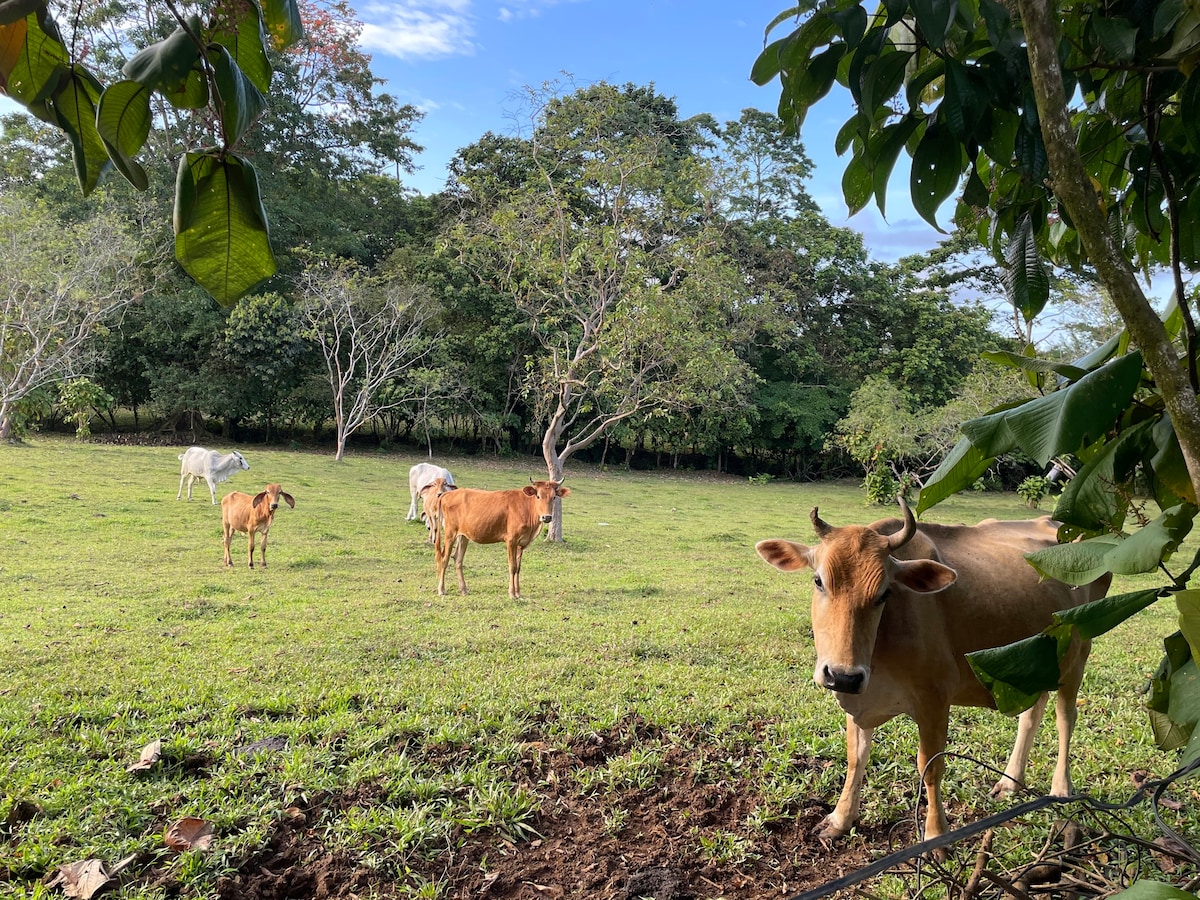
[
  {"x": 370, "y": 333},
  {"x": 58, "y": 284}
]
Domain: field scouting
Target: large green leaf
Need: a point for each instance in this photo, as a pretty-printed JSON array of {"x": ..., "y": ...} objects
[
  {"x": 936, "y": 167},
  {"x": 282, "y": 19},
  {"x": 15, "y": 10},
  {"x": 1100, "y": 616},
  {"x": 962, "y": 467},
  {"x": 935, "y": 18},
  {"x": 1024, "y": 274},
  {"x": 1188, "y": 603},
  {"x": 34, "y": 62},
  {"x": 164, "y": 66},
  {"x": 221, "y": 234},
  {"x": 123, "y": 121},
  {"x": 1063, "y": 421},
  {"x": 766, "y": 67},
  {"x": 1080, "y": 562},
  {"x": 885, "y": 149},
  {"x": 856, "y": 183},
  {"x": 1017, "y": 674},
  {"x": 1088, "y": 503},
  {"x": 74, "y": 107},
  {"x": 964, "y": 102},
  {"x": 1152, "y": 890},
  {"x": 241, "y": 102},
  {"x": 1168, "y": 465},
  {"x": 246, "y": 41},
  {"x": 1119, "y": 36},
  {"x": 1033, "y": 364},
  {"x": 883, "y": 78}
]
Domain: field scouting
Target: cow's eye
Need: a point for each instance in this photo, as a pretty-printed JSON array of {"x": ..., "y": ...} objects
[
  {"x": 818, "y": 583},
  {"x": 882, "y": 598}
]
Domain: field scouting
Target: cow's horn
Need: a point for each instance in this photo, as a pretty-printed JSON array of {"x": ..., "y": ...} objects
[
  {"x": 904, "y": 535},
  {"x": 819, "y": 525}
]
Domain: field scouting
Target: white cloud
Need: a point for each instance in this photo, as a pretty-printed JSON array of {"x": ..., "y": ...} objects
[{"x": 418, "y": 29}]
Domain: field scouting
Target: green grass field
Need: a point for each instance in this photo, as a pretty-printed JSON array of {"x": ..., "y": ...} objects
[{"x": 119, "y": 626}]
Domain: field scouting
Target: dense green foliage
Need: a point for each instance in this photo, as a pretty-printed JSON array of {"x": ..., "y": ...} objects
[{"x": 1067, "y": 132}]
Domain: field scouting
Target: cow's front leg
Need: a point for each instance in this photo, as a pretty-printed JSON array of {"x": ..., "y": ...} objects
[
  {"x": 251, "y": 542},
  {"x": 441, "y": 559},
  {"x": 514, "y": 570},
  {"x": 932, "y": 729},
  {"x": 262, "y": 551},
  {"x": 858, "y": 752}
]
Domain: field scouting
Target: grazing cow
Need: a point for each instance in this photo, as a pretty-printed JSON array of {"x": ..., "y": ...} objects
[
  {"x": 252, "y": 515},
  {"x": 490, "y": 517},
  {"x": 210, "y": 465},
  {"x": 420, "y": 477},
  {"x": 895, "y": 607},
  {"x": 430, "y": 499}
]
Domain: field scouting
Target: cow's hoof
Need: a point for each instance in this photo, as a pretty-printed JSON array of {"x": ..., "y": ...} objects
[
  {"x": 1003, "y": 788},
  {"x": 829, "y": 829}
]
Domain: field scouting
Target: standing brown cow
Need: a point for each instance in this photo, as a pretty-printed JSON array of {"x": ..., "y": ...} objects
[
  {"x": 897, "y": 605},
  {"x": 490, "y": 517},
  {"x": 252, "y": 515}
]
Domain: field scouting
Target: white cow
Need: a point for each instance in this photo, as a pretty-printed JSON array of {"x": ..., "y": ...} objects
[
  {"x": 210, "y": 465},
  {"x": 420, "y": 477}
]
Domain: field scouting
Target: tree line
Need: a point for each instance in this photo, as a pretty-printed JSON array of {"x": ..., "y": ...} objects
[{"x": 617, "y": 282}]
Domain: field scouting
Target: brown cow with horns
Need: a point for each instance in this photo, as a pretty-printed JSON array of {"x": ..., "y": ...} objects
[{"x": 897, "y": 605}]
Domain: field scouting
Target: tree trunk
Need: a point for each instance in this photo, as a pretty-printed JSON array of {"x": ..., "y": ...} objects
[
  {"x": 1074, "y": 190},
  {"x": 6, "y": 425}
]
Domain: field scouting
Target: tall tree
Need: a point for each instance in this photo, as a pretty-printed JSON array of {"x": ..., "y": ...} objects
[
  {"x": 70, "y": 278},
  {"x": 369, "y": 334},
  {"x": 600, "y": 227}
]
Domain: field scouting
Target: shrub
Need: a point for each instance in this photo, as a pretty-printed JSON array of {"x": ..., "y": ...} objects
[{"x": 1033, "y": 489}]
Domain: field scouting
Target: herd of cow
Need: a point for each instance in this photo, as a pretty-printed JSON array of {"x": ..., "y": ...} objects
[{"x": 896, "y": 607}]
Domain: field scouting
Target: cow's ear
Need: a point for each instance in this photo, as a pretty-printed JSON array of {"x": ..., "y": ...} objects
[
  {"x": 529, "y": 490},
  {"x": 258, "y": 499},
  {"x": 288, "y": 497},
  {"x": 786, "y": 555},
  {"x": 924, "y": 575},
  {"x": 562, "y": 491}
]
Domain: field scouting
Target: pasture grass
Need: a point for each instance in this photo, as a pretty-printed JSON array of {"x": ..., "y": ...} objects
[{"x": 339, "y": 668}]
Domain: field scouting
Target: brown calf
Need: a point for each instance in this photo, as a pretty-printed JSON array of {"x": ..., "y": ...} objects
[
  {"x": 491, "y": 517},
  {"x": 251, "y": 515},
  {"x": 897, "y": 605}
]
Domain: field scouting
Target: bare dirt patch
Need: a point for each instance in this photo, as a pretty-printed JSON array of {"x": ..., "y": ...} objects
[{"x": 683, "y": 837}]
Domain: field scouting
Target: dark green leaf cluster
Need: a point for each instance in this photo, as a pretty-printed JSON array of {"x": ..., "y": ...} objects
[
  {"x": 217, "y": 64},
  {"x": 949, "y": 83}
]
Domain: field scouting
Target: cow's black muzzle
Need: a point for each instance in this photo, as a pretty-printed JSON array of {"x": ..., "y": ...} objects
[{"x": 842, "y": 682}]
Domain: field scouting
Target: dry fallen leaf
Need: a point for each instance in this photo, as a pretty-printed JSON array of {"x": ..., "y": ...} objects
[
  {"x": 150, "y": 755},
  {"x": 190, "y": 833},
  {"x": 82, "y": 880}
]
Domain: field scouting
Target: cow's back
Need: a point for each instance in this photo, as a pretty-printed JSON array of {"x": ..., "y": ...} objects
[{"x": 486, "y": 517}]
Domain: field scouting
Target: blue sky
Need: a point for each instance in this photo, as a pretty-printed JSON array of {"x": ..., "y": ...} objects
[{"x": 465, "y": 62}]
